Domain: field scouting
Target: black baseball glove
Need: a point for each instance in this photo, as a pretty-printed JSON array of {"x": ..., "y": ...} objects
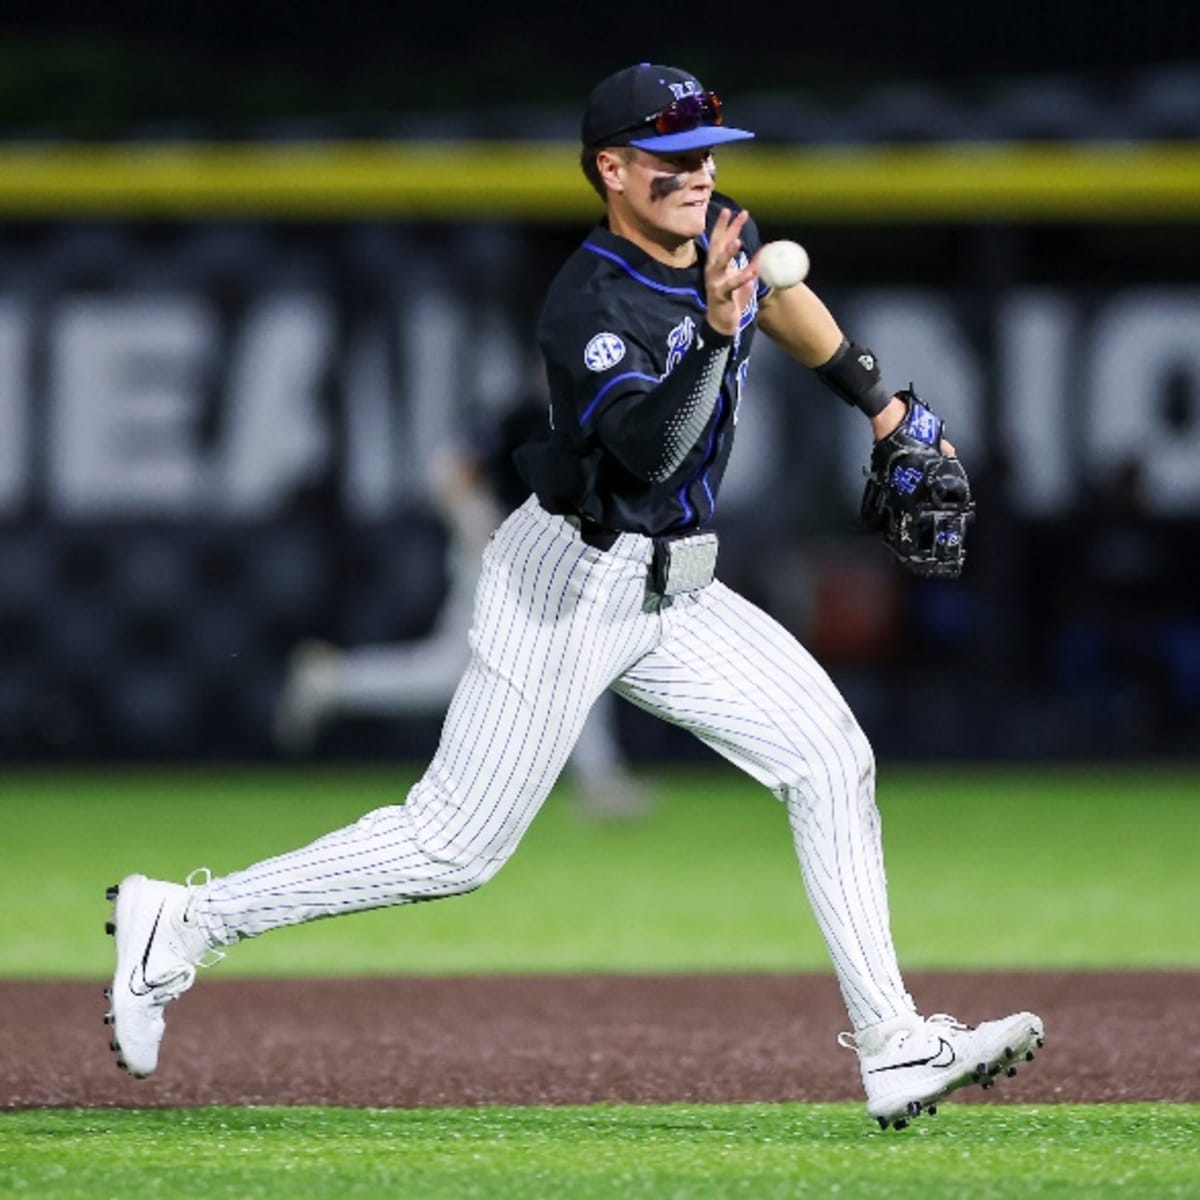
[{"x": 918, "y": 499}]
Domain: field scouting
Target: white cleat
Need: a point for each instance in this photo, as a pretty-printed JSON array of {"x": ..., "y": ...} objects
[
  {"x": 306, "y": 696},
  {"x": 911, "y": 1062},
  {"x": 157, "y": 956}
]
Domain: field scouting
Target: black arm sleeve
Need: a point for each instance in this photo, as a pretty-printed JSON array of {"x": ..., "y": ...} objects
[{"x": 650, "y": 433}]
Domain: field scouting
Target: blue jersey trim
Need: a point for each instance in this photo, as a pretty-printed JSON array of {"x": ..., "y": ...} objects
[
  {"x": 688, "y": 511},
  {"x": 702, "y": 471},
  {"x": 710, "y": 451},
  {"x": 591, "y": 408},
  {"x": 701, "y": 474},
  {"x": 665, "y": 288}
]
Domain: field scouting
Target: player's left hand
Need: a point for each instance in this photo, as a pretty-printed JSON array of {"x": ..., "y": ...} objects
[
  {"x": 917, "y": 495},
  {"x": 892, "y": 416}
]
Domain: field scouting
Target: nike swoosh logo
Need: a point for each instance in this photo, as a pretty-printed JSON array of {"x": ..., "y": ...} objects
[
  {"x": 146, "y": 989},
  {"x": 944, "y": 1049}
]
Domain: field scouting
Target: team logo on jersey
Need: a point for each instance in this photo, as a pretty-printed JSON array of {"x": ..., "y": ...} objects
[
  {"x": 603, "y": 351},
  {"x": 678, "y": 341}
]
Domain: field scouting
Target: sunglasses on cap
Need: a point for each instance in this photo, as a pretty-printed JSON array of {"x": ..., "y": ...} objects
[
  {"x": 682, "y": 115},
  {"x": 688, "y": 112}
]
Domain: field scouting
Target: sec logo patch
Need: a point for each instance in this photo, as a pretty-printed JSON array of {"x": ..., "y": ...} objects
[{"x": 603, "y": 351}]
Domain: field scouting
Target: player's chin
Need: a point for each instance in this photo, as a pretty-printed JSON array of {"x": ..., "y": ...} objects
[{"x": 691, "y": 218}]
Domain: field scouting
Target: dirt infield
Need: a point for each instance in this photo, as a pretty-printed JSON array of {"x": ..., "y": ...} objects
[{"x": 578, "y": 1039}]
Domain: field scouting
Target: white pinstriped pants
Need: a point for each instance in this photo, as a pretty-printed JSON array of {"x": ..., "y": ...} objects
[{"x": 556, "y": 622}]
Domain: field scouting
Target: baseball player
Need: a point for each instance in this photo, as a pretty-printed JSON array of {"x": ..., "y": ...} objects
[
  {"x": 474, "y": 488},
  {"x": 604, "y": 578}
]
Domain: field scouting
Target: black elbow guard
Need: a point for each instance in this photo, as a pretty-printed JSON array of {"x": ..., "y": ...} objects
[{"x": 853, "y": 374}]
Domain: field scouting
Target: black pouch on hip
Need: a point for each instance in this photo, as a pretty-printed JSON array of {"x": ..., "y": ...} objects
[{"x": 683, "y": 564}]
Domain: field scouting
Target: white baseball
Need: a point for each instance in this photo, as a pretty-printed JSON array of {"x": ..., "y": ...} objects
[{"x": 782, "y": 264}]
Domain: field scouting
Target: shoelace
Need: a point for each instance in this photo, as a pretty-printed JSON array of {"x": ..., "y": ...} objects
[
  {"x": 174, "y": 985},
  {"x": 948, "y": 1020},
  {"x": 848, "y": 1041},
  {"x": 166, "y": 990},
  {"x": 212, "y": 955}
]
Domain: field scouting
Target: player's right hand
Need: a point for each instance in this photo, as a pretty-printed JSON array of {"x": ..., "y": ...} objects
[{"x": 728, "y": 288}]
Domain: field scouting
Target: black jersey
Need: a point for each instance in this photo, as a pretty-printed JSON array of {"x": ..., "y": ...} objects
[
  {"x": 522, "y": 421},
  {"x": 615, "y": 325}
]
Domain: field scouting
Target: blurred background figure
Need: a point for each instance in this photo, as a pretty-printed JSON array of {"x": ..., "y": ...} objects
[
  {"x": 1128, "y": 653},
  {"x": 220, "y": 407},
  {"x": 474, "y": 485}
]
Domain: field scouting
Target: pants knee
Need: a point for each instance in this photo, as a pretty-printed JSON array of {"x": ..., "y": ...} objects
[
  {"x": 460, "y": 868},
  {"x": 852, "y": 761},
  {"x": 850, "y": 746},
  {"x": 864, "y": 753}
]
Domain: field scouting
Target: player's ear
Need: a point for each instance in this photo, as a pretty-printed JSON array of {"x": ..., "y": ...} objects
[{"x": 610, "y": 166}]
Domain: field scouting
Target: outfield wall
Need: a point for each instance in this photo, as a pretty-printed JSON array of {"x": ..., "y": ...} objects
[{"x": 225, "y": 371}]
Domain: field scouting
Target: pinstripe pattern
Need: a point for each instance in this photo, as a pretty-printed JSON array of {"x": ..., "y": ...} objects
[
  {"x": 742, "y": 684},
  {"x": 556, "y": 623}
]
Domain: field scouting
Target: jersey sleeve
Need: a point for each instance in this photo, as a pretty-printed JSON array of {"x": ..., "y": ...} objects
[
  {"x": 647, "y": 421},
  {"x": 652, "y": 435},
  {"x": 593, "y": 358}
]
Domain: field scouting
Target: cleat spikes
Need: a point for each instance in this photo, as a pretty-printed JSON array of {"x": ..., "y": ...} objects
[
  {"x": 111, "y": 892},
  {"x": 156, "y": 961},
  {"x": 108, "y": 993},
  {"x": 110, "y": 927},
  {"x": 108, "y": 1018},
  {"x": 1041, "y": 1042},
  {"x": 932, "y": 1057},
  {"x": 114, "y": 1046}
]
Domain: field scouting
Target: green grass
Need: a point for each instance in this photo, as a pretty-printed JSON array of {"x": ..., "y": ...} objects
[
  {"x": 602, "y": 1153},
  {"x": 989, "y": 868}
]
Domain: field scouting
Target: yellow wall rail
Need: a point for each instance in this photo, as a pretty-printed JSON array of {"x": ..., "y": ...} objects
[{"x": 541, "y": 181}]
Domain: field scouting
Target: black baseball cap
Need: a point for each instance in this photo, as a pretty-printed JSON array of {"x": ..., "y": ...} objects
[{"x": 660, "y": 109}]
